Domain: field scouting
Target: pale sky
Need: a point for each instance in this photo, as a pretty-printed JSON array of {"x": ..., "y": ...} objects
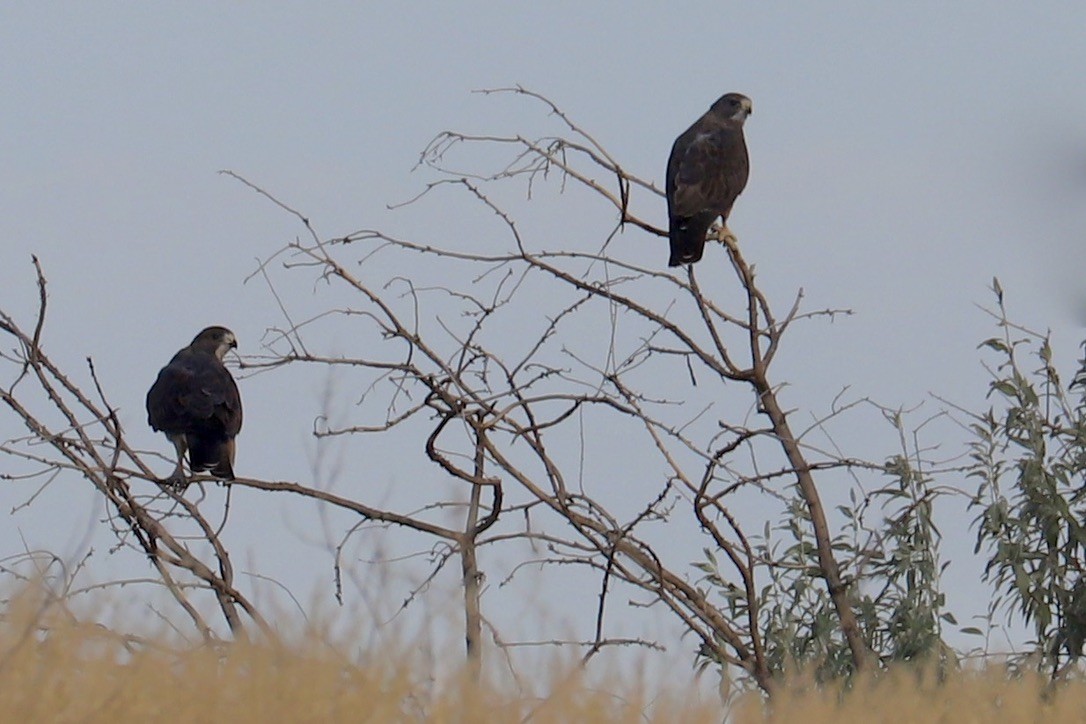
[{"x": 902, "y": 155}]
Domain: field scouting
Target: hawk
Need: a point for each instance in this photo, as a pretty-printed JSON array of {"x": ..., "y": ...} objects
[
  {"x": 706, "y": 172},
  {"x": 196, "y": 403}
]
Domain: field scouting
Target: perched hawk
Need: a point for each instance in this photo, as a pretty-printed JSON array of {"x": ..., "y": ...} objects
[
  {"x": 706, "y": 171},
  {"x": 196, "y": 403}
]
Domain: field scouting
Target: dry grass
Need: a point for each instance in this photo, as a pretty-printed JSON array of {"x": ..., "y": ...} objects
[
  {"x": 53, "y": 668},
  {"x": 46, "y": 681},
  {"x": 903, "y": 696}
]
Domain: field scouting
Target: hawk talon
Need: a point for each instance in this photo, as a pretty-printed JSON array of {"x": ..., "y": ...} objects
[
  {"x": 725, "y": 235},
  {"x": 174, "y": 482}
]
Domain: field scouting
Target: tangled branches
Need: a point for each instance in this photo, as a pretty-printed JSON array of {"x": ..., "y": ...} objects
[{"x": 584, "y": 400}]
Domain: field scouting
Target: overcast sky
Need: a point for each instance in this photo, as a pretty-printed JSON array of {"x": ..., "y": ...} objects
[{"x": 902, "y": 155}]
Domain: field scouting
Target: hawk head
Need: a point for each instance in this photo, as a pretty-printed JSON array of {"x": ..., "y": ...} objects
[
  {"x": 216, "y": 340},
  {"x": 735, "y": 106}
]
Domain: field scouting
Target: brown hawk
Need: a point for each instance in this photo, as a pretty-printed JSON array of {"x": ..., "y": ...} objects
[
  {"x": 706, "y": 172},
  {"x": 196, "y": 403}
]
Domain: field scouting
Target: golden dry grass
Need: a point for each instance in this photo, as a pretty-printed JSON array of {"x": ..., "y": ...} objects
[
  {"x": 45, "y": 681},
  {"x": 53, "y": 668},
  {"x": 904, "y": 697}
]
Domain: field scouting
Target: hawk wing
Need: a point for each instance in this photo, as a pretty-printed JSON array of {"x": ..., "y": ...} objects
[
  {"x": 196, "y": 399},
  {"x": 708, "y": 171}
]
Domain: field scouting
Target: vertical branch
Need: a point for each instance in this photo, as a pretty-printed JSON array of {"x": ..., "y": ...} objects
[
  {"x": 469, "y": 565},
  {"x": 800, "y": 466}
]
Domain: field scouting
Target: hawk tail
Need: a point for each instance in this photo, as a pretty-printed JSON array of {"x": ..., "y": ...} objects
[
  {"x": 214, "y": 456},
  {"x": 687, "y": 240}
]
